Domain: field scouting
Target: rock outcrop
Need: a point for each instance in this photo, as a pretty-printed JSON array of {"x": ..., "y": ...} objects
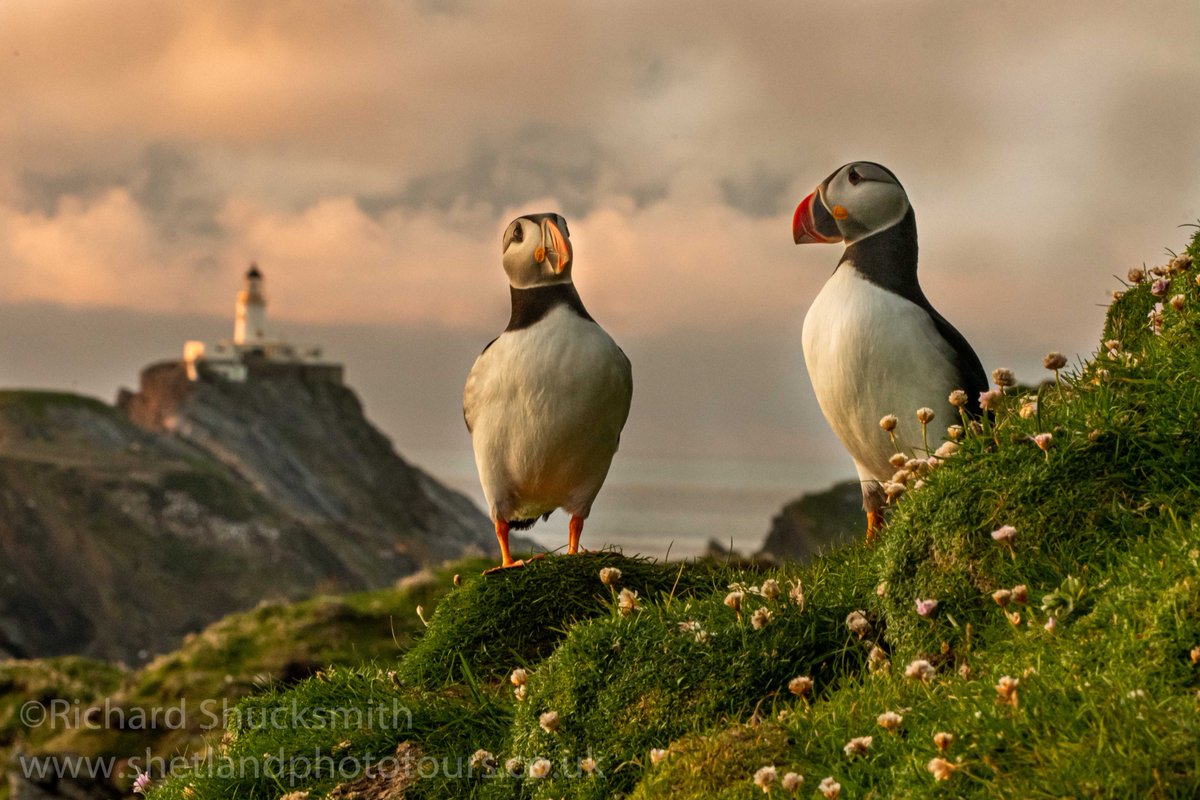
[
  {"x": 124, "y": 528},
  {"x": 814, "y": 522}
]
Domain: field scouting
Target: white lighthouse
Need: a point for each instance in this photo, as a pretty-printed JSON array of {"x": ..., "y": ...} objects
[
  {"x": 250, "y": 320},
  {"x": 252, "y": 354}
]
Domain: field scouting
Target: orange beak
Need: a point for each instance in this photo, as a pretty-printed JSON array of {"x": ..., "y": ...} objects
[
  {"x": 813, "y": 223},
  {"x": 558, "y": 243}
]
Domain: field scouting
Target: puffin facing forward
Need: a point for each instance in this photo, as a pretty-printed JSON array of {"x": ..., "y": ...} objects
[
  {"x": 546, "y": 400},
  {"x": 873, "y": 343}
]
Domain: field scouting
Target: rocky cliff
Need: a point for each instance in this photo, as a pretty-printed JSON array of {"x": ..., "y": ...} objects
[
  {"x": 815, "y": 522},
  {"x": 303, "y": 442},
  {"x": 123, "y": 528}
]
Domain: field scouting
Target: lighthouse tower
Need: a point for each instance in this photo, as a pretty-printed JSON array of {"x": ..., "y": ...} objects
[
  {"x": 250, "y": 322},
  {"x": 252, "y": 355}
]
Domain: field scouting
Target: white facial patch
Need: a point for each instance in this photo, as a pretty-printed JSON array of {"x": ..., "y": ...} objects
[
  {"x": 521, "y": 260},
  {"x": 875, "y": 203}
]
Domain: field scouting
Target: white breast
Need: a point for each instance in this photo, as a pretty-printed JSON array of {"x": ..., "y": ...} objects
[
  {"x": 546, "y": 405},
  {"x": 870, "y": 353}
]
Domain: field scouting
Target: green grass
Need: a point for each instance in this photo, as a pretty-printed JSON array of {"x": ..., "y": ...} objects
[
  {"x": 60, "y": 686},
  {"x": 39, "y": 401},
  {"x": 48, "y": 681},
  {"x": 1107, "y": 544},
  {"x": 359, "y": 714},
  {"x": 271, "y": 647}
]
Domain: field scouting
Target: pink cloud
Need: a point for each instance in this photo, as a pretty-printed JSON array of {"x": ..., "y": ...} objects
[
  {"x": 646, "y": 271},
  {"x": 102, "y": 252}
]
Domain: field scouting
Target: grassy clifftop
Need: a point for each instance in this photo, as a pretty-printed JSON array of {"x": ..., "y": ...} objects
[
  {"x": 1059, "y": 659},
  {"x": 192, "y": 688}
]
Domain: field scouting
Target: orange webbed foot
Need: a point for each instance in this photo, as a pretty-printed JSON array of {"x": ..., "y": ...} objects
[
  {"x": 575, "y": 531},
  {"x": 874, "y": 525},
  {"x": 517, "y": 564},
  {"x": 520, "y": 562}
]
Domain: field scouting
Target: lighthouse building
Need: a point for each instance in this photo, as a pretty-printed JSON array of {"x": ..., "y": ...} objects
[
  {"x": 253, "y": 352},
  {"x": 250, "y": 320}
]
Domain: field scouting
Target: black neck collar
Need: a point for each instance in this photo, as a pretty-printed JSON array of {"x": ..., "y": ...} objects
[
  {"x": 889, "y": 259},
  {"x": 531, "y": 305}
]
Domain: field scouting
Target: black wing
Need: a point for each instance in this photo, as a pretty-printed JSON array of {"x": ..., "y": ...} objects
[{"x": 971, "y": 377}]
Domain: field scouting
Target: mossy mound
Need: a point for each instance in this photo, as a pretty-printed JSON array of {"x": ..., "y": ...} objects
[
  {"x": 516, "y": 617},
  {"x": 631, "y": 682}
]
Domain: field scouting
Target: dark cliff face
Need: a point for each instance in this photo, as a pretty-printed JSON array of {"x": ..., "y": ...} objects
[
  {"x": 122, "y": 529},
  {"x": 304, "y": 442}
]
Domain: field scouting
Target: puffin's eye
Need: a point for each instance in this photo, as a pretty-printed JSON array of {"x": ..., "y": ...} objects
[
  {"x": 855, "y": 178},
  {"x": 518, "y": 233}
]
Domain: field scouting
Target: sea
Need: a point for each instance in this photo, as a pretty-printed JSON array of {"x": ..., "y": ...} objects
[{"x": 660, "y": 507}]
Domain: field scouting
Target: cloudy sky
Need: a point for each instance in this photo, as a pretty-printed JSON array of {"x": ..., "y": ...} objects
[{"x": 369, "y": 155}]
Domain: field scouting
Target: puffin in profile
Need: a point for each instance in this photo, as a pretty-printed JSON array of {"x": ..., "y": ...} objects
[
  {"x": 547, "y": 399},
  {"x": 873, "y": 344}
]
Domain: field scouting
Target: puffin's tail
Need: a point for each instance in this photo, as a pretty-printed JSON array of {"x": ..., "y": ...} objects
[{"x": 526, "y": 524}]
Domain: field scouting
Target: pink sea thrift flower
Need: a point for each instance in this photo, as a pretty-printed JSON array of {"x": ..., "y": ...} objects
[
  {"x": 1006, "y": 690},
  {"x": 989, "y": 399},
  {"x": 857, "y": 622},
  {"x": 1005, "y": 534},
  {"x": 890, "y": 721},
  {"x": 858, "y": 746},
  {"x": 830, "y": 788},
  {"x": 800, "y": 685},
  {"x": 947, "y": 449},
  {"x": 1156, "y": 319},
  {"x": 764, "y": 778},
  {"x": 627, "y": 602},
  {"x": 920, "y": 670},
  {"x": 940, "y": 768},
  {"x": 1054, "y": 361}
]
